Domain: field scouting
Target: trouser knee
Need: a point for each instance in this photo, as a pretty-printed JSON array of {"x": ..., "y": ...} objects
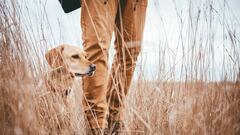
[{"x": 128, "y": 54}]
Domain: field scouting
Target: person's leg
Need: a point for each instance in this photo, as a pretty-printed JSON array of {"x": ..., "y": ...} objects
[
  {"x": 97, "y": 22},
  {"x": 130, "y": 22}
]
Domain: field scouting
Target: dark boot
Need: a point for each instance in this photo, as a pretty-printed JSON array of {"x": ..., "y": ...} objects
[
  {"x": 97, "y": 131},
  {"x": 115, "y": 127}
]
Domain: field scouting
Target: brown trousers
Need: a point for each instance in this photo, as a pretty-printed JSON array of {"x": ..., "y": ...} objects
[{"x": 104, "y": 92}]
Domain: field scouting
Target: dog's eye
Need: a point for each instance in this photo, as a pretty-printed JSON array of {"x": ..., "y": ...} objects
[{"x": 75, "y": 56}]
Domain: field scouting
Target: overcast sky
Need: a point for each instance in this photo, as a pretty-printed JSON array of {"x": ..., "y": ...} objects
[{"x": 162, "y": 25}]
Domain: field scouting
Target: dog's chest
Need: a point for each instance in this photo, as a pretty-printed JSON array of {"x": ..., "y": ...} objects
[
  {"x": 75, "y": 93},
  {"x": 60, "y": 83}
]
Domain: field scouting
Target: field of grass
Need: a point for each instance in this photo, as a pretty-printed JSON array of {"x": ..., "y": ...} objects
[{"x": 193, "y": 105}]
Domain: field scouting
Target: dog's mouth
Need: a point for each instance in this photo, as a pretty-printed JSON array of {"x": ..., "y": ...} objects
[{"x": 86, "y": 74}]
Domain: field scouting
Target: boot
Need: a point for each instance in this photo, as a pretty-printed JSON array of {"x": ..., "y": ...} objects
[
  {"x": 115, "y": 127},
  {"x": 98, "y": 131}
]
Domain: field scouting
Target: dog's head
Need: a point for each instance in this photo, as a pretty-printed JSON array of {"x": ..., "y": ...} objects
[{"x": 71, "y": 57}]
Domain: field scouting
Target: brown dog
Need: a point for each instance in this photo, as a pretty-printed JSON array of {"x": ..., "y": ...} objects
[{"x": 66, "y": 62}]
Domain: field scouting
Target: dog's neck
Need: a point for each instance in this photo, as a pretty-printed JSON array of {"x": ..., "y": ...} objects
[
  {"x": 61, "y": 72},
  {"x": 61, "y": 79}
]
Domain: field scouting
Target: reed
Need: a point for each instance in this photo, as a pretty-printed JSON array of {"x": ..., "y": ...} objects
[{"x": 192, "y": 104}]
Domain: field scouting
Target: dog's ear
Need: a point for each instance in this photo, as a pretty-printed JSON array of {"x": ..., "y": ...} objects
[{"x": 54, "y": 57}]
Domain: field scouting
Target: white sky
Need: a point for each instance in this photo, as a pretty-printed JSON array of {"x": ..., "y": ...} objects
[{"x": 162, "y": 29}]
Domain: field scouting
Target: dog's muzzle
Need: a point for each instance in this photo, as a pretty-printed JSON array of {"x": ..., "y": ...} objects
[{"x": 90, "y": 73}]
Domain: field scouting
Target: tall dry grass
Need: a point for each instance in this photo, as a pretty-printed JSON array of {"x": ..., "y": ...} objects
[{"x": 193, "y": 105}]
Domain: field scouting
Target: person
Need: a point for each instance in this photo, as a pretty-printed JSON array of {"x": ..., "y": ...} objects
[{"x": 104, "y": 93}]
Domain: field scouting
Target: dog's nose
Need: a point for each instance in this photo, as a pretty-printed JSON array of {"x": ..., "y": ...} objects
[{"x": 93, "y": 67}]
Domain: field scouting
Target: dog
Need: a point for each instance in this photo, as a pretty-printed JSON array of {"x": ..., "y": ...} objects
[
  {"x": 67, "y": 62},
  {"x": 67, "y": 65}
]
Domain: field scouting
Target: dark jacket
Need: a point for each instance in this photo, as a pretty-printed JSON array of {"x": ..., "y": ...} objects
[{"x": 70, "y": 5}]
